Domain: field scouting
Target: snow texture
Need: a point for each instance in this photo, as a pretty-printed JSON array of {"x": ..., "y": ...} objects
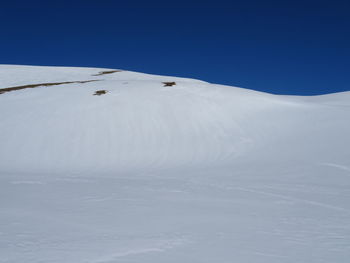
[{"x": 193, "y": 172}]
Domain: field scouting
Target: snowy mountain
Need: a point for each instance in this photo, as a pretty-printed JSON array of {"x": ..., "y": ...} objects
[{"x": 102, "y": 165}]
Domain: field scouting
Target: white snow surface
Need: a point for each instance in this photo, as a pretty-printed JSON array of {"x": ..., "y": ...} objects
[{"x": 192, "y": 173}]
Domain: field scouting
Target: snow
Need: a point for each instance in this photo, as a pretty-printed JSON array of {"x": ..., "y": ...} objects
[{"x": 196, "y": 172}]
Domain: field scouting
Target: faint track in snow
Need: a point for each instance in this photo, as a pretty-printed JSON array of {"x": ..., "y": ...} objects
[
  {"x": 114, "y": 257},
  {"x": 158, "y": 248},
  {"x": 280, "y": 196},
  {"x": 289, "y": 198},
  {"x": 338, "y": 166}
]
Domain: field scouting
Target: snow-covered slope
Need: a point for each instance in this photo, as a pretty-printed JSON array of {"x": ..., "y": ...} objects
[{"x": 149, "y": 172}]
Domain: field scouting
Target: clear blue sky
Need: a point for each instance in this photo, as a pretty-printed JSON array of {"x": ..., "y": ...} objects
[{"x": 283, "y": 47}]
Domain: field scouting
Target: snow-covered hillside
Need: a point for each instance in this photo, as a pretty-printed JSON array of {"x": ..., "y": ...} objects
[{"x": 101, "y": 165}]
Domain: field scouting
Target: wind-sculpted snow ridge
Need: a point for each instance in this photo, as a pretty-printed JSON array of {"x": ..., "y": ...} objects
[{"x": 166, "y": 169}]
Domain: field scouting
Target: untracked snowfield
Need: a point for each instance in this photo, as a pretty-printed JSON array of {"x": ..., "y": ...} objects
[{"x": 154, "y": 172}]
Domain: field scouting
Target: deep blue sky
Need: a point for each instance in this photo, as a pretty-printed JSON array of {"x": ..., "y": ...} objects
[{"x": 284, "y": 47}]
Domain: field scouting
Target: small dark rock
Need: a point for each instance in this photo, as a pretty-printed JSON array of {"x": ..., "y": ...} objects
[
  {"x": 169, "y": 84},
  {"x": 100, "y": 92}
]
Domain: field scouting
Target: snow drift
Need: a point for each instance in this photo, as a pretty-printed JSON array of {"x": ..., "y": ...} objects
[{"x": 100, "y": 165}]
